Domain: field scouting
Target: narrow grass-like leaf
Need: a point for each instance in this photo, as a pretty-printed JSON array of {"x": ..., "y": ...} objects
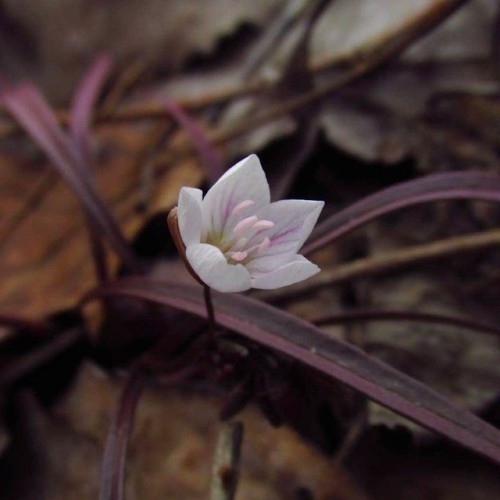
[
  {"x": 83, "y": 104},
  {"x": 312, "y": 346},
  {"x": 122, "y": 422},
  {"x": 446, "y": 186},
  {"x": 33, "y": 326},
  {"x": 31, "y": 111},
  {"x": 115, "y": 449},
  {"x": 209, "y": 156},
  {"x": 366, "y": 315},
  {"x": 80, "y": 122},
  {"x": 11, "y": 373}
]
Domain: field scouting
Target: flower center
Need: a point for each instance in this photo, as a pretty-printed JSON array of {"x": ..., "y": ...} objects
[{"x": 245, "y": 241}]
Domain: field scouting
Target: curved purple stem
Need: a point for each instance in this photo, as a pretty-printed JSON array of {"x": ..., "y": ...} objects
[
  {"x": 115, "y": 450},
  {"x": 313, "y": 347},
  {"x": 394, "y": 315},
  {"x": 446, "y": 186}
]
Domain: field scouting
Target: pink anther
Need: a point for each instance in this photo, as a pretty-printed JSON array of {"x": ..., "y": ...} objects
[
  {"x": 243, "y": 224},
  {"x": 240, "y": 206},
  {"x": 239, "y": 256},
  {"x": 263, "y": 224},
  {"x": 264, "y": 245}
]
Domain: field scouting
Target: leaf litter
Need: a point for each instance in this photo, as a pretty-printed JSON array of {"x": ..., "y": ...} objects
[{"x": 429, "y": 106}]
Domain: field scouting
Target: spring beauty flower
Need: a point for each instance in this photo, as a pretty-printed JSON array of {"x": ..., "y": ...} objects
[{"x": 236, "y": 239}]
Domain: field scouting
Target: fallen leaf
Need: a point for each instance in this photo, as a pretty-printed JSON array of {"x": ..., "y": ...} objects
[
  {"x": 170, "y": 454},
  {"x": 45, "y": 259}
]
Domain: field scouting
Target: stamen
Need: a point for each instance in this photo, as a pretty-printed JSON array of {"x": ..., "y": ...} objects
[
  {"x": 265, "y": 244},
  {"x": 263, "y": 224},
  {"x": 238, "y": 256},
  {"x": 234, "y": 247},
  {"x": 259, "y": 247},
  {"x": 240, "y": 206},
  {"x": 243, "y": 224}
]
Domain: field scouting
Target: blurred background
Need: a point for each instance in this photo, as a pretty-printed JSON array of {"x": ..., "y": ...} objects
[{"x": 339, "y": 98}]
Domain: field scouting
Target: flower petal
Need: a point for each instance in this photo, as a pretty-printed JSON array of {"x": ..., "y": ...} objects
[
  {"x": 244, "y": 181},
  {"x": 310, "y": 222},
  {"x": 298, "y": 269},
  {"x": 293, "y": 222},
  {"x": 267, "y": 263},
  {"x": 189, "y": 215},
  {"x": 209, "y": 263}
]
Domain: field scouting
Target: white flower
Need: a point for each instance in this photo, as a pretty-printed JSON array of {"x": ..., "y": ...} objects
[{"x": 236, "y": 239}]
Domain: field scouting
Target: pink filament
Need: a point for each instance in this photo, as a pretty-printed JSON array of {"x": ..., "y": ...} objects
[{"x": 240, "y": 206}]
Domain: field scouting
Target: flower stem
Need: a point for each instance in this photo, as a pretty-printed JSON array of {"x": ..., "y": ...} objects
[{"x": 210, "y": 307}]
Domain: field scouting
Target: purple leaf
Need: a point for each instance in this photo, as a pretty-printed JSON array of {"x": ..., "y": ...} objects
[
  {"x": 80, "y": 121},
  {"x": 115, "y": 449},
  {"x": 446, "y": 186},
  {"x": 31, "y": 111},
  {"x": 392, "y": 315},
  {"x": 313, "y": 347},
  {"x": 122, "y": 423},
  {"x": 83, "y": 104},
  {"x": 12, "y": 373},
  {"x": 209, "y": 157}
]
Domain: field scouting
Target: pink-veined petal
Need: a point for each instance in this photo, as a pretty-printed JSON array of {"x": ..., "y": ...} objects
[
  {"x": 266, "y": 263},
  {"x": 189, "y": 215},
  {"x": 244, "y": 181},
  {"x": 209, "y": 263},
  {"x": 310, "y": 222},
  {"x": 293, "y": 222},
  {"x": 298, "y": 269}
]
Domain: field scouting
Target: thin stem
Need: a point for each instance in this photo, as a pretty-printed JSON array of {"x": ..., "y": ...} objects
[
  {"x": 28, "y": 205},
  {"x": 351, "y": 438},
  {"x": 14, "y": 372},
  {"x": 98, "y": 252},
  {"x": 35, "y": 326},
  {"x": 209, "y": 156},
  {"x": 115, "y": 452},
  {"x": 226, "y": 462},
  {"x": 392, "y": 315},
  {"x": 207, "y": 293}
]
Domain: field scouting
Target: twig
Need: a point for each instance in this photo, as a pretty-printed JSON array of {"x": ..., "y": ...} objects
[
  {"x": 361, "y": 63},
  {"x": 356, "y": 429},
  {"x": 274, "y": 34},
  {"x": 226, "y": 462},
  {"x": 34, "y": 326},
  {"x": 32, "y": 201},
  {"x": 209, "y": 156},
  {"x": 366, "y": 315},
  {"x": 122, "y": 85},
  {"x": 391, "y": 261},
  {"x": 147, "y": 159},
  {"x": 14, "y": 372}
]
